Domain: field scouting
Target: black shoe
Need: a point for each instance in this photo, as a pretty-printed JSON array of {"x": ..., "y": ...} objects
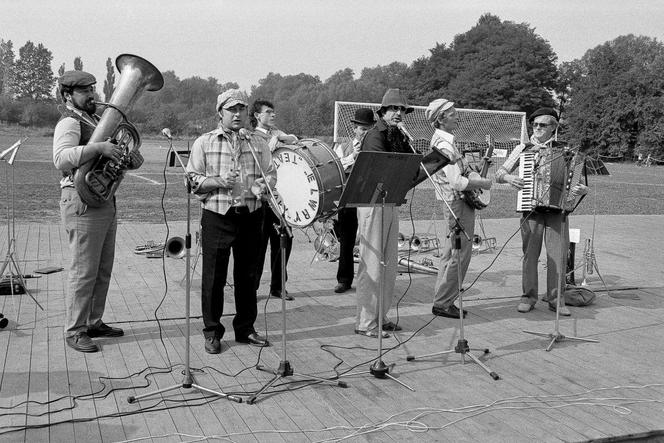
[
  {"x": 212, "y": 345},
  {"x": 391, "y": 326},
  {"x": 451, "y": 312},
  {"x": 277, "y": 294},
  {"x": 104, "y": 330},
  {"x": 340, "y": 288},
  {"x": 82, "y": 342},
  {"x": 253, "y": 339}
]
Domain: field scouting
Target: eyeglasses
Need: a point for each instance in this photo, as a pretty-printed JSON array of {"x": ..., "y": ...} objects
[
  {"x": 396, "y": 108},
  {"x": 541, "y": 125},
  {"x": 268, "y": 111}
]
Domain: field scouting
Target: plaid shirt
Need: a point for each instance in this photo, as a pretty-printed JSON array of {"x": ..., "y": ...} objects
[{"x": 215, "y": 153}]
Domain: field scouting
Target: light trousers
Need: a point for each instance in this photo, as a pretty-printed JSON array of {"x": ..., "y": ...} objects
[
  {"x": 447, "y": 282},
  {"x": 91, "y": 234},
  {"x": 379, "y": 232}
]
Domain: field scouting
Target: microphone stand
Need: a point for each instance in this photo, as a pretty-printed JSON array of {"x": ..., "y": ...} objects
[
  {"x": 556, "y": 336},
  {"x": 285, "y": 369},
  {"x": 462, "y": 346},
  {"x": 188, "y": 381},
  {"x": 10, "y": 261}
]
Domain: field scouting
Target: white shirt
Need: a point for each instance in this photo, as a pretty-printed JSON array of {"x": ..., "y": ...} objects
[{"x": 450, "y": 177}]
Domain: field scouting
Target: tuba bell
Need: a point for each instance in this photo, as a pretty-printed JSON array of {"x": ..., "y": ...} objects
[{"x": 97, "y": 180}]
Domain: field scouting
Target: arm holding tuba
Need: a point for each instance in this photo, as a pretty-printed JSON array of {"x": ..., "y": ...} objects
[{"x": 97, "y": 180}]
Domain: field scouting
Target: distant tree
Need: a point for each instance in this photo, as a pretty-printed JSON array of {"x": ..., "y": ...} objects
[
  {"x": 33, "y": 75},
  {"x": 109, "y": 82},
  {"x": 78, "y": 64},
  {"x": 616, "y": 98},
  {"x": 373, "y": 82},
  {"x": 228, "y": 85},
  {"x": 495, "y": 65},
  {"x": 6, "y": 66}
]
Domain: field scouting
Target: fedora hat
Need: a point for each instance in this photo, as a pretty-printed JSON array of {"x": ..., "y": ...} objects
[
  {"x": 364, "y": 116},
  {"x": 394, "y": 97}
]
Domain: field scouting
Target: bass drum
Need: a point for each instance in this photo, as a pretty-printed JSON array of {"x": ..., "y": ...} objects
[{"x": 310, "y": 179}]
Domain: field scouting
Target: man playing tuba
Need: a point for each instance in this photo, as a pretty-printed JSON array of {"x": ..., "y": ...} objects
[{"x": 90, "y": 230}]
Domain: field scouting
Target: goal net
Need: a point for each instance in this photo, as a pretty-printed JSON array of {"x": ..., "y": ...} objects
[{"x": 476, "y": 126}]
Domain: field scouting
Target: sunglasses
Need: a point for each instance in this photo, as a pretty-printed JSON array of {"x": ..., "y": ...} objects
[{"x": 541, "y": 125}]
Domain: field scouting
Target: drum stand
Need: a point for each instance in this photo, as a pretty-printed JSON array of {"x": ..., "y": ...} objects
[
  {"x": 188, "y": 381},
  {"x": 10, "y": 260},
  {"x": 285, "y": 369},
  {"x": 556, "y": 336}
]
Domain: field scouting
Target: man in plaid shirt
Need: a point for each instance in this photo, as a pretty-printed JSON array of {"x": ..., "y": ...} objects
[{"x": 228, "y": 172}]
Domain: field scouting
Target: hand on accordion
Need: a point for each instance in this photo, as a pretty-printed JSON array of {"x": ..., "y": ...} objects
[{"x": 579, "y": 190}]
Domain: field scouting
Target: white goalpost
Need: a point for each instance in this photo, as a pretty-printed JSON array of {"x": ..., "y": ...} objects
[{"x": 505, "y": 128}]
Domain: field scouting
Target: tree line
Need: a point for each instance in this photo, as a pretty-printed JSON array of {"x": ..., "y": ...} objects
[{"x": 610, "y": 99}]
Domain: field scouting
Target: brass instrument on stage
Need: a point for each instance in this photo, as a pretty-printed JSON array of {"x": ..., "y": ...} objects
[
  {"x": 175, "y": 247},
  {"x": 97, "y": 180},
  {"x": 423, "y": 243}
]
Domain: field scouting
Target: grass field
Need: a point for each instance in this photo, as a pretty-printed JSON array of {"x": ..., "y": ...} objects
[{"x": 143, "y": 197}]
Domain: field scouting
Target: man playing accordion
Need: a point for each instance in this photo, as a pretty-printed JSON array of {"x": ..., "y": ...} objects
[{"x": 541, "y": 222}]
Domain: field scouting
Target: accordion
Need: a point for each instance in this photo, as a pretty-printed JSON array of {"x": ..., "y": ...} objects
[{"x": 548, "y": 178}]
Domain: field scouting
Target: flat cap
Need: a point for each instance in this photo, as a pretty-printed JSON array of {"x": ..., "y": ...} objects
[
  {"x": 436, "y": 108},
  {"x": 543, "y": 111},
  {"x": 230, "y": 98},
  {"x": 76, "y": 79}
]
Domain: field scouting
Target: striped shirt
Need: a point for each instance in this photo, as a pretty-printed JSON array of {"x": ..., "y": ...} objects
[{"x": 217, "y": 152}]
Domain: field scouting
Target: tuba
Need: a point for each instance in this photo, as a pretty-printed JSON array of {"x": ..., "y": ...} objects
[{"x": 97, "y": 180}]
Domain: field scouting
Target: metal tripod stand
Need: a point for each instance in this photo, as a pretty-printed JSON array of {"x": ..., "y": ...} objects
[
  {"x": 188, "y": 381},
  {"x": 462, "y": 346},
  {"x": 285, "y": 369},
  {"x": 556, "y": 336},
  {"x": 10, "y": 260}
]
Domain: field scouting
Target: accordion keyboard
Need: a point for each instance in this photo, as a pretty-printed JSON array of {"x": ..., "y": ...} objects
[{"x": 525, "y": 196}]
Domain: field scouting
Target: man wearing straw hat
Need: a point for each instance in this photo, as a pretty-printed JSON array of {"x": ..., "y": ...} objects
[{"x": 453, "y": 179}]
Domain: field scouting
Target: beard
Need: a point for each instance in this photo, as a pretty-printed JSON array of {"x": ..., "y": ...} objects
[{"x": 394, "y": 138}]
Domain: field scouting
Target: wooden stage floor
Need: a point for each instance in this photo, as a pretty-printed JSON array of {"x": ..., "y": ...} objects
[{"x": 578, "y": 391}]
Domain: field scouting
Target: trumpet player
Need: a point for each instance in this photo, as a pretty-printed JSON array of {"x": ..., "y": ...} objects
[
  {"x": 90, "y": 230},
  {"x": 453, "y": 179}
]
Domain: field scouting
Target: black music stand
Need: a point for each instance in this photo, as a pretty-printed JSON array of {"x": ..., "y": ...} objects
[
  {"x": 380, "y": 179},
  {"x": 188, "y": 381}
]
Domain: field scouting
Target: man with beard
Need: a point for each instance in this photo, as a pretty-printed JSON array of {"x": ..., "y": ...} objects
[
  {"x": 385, "y": 136},
  {"x": 90, "y": 231},
  {"x": 227, "y": 176}
]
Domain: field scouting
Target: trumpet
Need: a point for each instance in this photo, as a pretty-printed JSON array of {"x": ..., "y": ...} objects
[{"x": 175, "y": 247}]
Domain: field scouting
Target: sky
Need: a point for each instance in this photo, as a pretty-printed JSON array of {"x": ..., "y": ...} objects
[{"x": 243, "y": 41}]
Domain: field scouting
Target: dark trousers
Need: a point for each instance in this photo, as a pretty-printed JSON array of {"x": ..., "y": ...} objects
[
  {"x": 271, "y": 235},
  {"x": 237, "y": 231},
  {"x": 345, "y": 229}
]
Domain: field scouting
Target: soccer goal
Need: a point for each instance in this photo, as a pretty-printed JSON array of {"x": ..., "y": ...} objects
[{"x": 506, "y": 129}]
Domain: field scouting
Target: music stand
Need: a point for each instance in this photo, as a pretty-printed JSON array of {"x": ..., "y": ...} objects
[
  {"x": 8, "y": 155},
  {"x": 380, "y": 179},
  {"x": 285, "y": 369},
  {"x": 188, "y": 381}
]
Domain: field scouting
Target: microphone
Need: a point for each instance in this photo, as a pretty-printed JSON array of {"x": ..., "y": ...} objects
[
  {"x": 405, "y": 132},
  {"x": 167, "y": 133}
]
